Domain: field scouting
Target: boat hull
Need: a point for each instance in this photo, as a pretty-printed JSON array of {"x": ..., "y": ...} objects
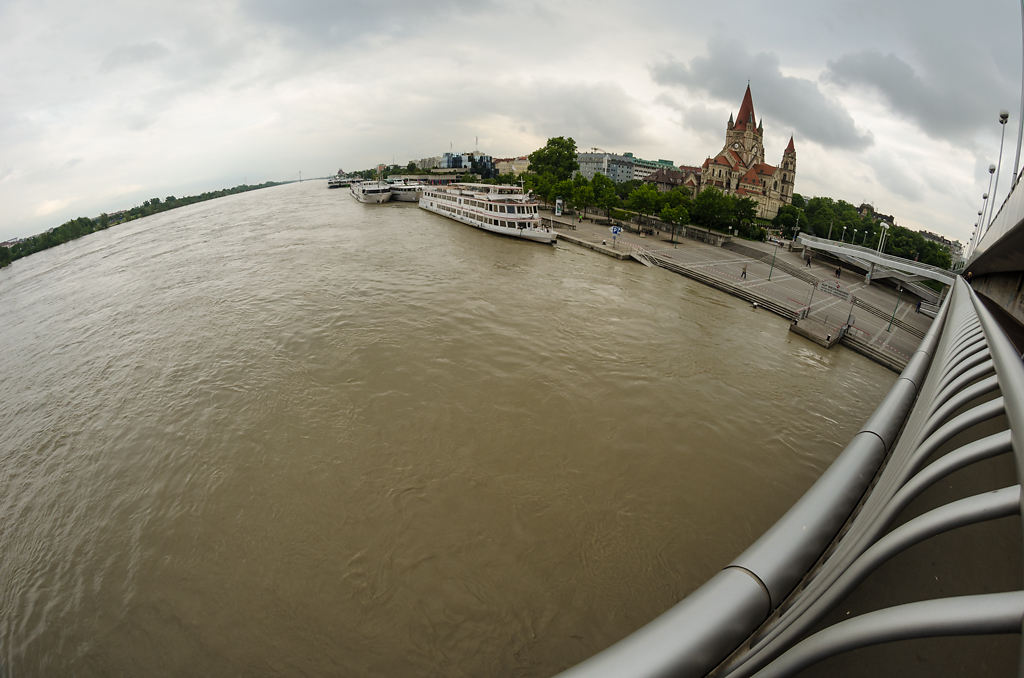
[
  {"x": 533, "y": 234},
  {"x": 370, "y": 194},
  {"x": 405, "y": 196}
]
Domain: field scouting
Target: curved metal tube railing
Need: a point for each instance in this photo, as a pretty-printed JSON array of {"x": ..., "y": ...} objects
[{"x": 747, "y": 618}]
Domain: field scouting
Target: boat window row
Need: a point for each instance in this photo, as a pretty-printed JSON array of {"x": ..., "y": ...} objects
[{"x": 504, "y": 209}]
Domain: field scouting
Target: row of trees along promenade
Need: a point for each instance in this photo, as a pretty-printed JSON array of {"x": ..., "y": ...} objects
[
  {"x": 76, "y": 228},
  {"x": 553, "y": 174}
]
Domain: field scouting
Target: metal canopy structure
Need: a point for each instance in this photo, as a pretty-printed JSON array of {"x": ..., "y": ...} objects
[{"x": 870, "y": 259}]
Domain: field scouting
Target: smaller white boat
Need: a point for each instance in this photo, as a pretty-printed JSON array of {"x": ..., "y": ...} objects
[
  {"x": 406, "y": 191},
  {"x": 339, "y": 180},
  {"x": 372, "y": 192}
]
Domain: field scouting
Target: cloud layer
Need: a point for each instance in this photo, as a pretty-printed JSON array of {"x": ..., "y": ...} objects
[{"x": 102, "y": 107}]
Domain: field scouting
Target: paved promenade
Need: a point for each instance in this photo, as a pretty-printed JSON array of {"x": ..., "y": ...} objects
[{"x": 874, "y": 329}]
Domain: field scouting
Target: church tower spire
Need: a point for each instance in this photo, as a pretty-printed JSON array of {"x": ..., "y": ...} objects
[{"x": 746, "y": 113}]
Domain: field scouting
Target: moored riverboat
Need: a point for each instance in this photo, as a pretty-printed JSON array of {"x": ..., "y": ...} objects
[
  {"x": 505, "y": 210},
  {"x": 372, "y": 192},
  {"x": 406, "y": 191}
]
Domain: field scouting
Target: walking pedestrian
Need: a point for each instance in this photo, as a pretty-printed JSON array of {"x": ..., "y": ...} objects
[{"x": 743, "y": 273}]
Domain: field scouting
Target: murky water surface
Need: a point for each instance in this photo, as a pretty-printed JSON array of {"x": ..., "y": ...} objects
[{"x": 284, "y": 433}]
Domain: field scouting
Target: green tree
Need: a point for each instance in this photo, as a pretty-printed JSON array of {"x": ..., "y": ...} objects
[
  {"x": 557, "y": 158},
  {"x": 744, "y": 213},
  {"x": 564, "y": 190},
  {"x": 645, "y": 199},
  {"x": 624, "y": 188},
  {"x": 675, "y": 216},
  {"x": 605, "y": 196},
  {"x": 711, "y": 209},
  {"x": 540, "y": 185},
  {"x": 583, "y": 197},
  {"x": 787, "y": 220}
]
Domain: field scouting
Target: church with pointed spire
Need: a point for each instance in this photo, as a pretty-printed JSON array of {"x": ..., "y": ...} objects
[{"x": 739, "y": 169}]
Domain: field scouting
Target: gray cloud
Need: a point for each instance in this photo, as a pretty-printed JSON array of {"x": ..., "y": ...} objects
[
  {"x": 794, "y": 103},
  {"x": 927, "y": 102},
  {"x": 898, "y": 178},
  {"x": 132, "y": 55},
  {"x": 325, "y": 23}
]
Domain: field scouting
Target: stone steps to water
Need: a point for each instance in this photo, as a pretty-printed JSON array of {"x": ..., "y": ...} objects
[{"x": 857, "y": 344}]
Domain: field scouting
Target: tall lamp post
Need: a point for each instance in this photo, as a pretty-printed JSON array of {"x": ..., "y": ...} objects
[
  {"x": 898, "y": 296},
  {"x": 881, "y": 237},
  {"x": 977, "y": 226},
  {"x": 853, "y": 240},
  {"x": 988, "y": 194},
  {"x": 842, "y": 238},
  {"x": 1003, "y": 117}
]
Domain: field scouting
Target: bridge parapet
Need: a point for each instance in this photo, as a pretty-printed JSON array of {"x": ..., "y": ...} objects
[
  {"x": 756, "y": 617},
  {"x": 868, "y": 255}
]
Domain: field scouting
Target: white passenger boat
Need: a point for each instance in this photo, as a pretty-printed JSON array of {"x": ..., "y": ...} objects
[
  {"x": 374, "y": 192},
  {"x": 505, "y": 210},
  {"x": 406, "y": 191}
]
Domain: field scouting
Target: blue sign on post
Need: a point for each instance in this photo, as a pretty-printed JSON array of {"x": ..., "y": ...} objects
[{"x": 615, "y": 233}]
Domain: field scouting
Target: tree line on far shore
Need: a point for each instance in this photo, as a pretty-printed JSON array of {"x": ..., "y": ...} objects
[
  {"x": 553, "y": 174},
  {"x": 76, "y": 228}
]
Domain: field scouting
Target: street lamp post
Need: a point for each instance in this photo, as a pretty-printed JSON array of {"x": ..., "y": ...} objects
[
  {"x": 1003, "y": 117},
  {"x": 842, "y": 238},
  {"x": 864, "y": 240},
  {"x": 988, "y": 194},
  {"x": 829, "y": 230},
  {"x": 976, "y": 236},
  {"x": 881, "y": 237},
  {"x": 853, "y": 240},
  {"x": 898, "y": 296}
]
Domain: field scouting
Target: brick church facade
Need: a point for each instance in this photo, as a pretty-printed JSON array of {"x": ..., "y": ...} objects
[{"x": 740, "y": 170}]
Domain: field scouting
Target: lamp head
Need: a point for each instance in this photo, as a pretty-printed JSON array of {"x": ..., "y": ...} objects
[
  {"x": 1003, "y": 117},
  {"x": 991, "y": 169}
]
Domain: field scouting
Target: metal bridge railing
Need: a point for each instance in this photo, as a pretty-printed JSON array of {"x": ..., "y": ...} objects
[{"x": 755, "y": 617}]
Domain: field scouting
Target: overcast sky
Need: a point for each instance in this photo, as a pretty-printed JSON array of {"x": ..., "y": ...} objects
[{"x": 103, "y": 105}]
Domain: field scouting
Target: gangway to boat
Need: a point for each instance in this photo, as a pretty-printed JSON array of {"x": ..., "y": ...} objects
[{"x": 642, "y": 255}]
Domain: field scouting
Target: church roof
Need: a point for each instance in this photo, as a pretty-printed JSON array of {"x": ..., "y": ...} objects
[
  {"x": 746, "y": 114},
  {"x": 665, "y": 176},
  {"x": 790, "y": 149}
]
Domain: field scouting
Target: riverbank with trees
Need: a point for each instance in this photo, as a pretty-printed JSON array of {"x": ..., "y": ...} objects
[
  {"x": 554, "y": 175},
  {"x": 76, "y": 228}
]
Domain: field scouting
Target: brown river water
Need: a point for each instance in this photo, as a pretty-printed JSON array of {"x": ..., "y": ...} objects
[{"x": 285, "y": 433}]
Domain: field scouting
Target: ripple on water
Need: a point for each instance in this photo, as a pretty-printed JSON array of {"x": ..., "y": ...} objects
[{"x": 287, "y": 433}]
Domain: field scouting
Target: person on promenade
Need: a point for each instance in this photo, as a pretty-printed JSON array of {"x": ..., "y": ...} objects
[
  {"x": 743, "y": 273},
  {"x": 808, "y": 261}
]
